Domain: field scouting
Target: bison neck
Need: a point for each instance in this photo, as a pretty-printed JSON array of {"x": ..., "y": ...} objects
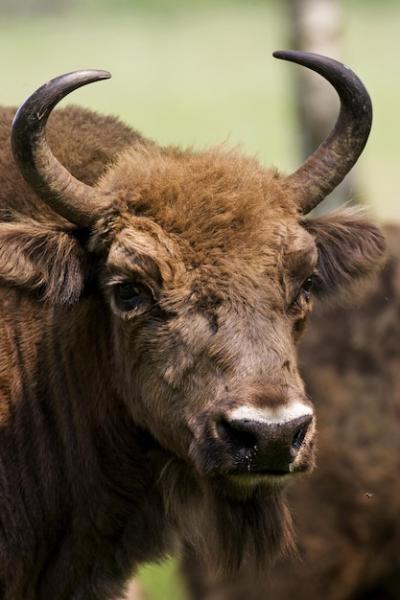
[{"x": 79, "y": 477}]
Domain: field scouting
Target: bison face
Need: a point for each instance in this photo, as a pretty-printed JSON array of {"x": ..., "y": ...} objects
[
  {"x": 209, "y": 280},
  {"x": 207, "y": 306}
]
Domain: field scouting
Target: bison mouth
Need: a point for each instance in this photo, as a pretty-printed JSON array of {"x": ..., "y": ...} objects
[
  {"x": 250, "y": 471},
  {"x": 247, "y": 482},
  {"x": 249, "y": 467}
]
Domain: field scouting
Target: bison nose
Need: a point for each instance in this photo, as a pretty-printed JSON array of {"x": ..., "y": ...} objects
[{"x": 263, "y": 446}]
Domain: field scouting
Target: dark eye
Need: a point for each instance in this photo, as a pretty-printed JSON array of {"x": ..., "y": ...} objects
[
  {"x": 132, "y": 295},
  {"x": 307, "y": 287}
]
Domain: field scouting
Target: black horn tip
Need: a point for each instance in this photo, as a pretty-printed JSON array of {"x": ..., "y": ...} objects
[
  {"x": 280, "y": 53},
  {"x": 102, "y": 73},
  {"x": 34, "y": 111},
  {"x": 88, "y": 75},
  {"x": 83, "y": 75},
  {"x": 337, "y": 73},
  {"x": 316, "y": 62},
  {"x": 286, "y": 54},
  {"x": 49, "y": 94},
  {"x": 347, "y": 84}
]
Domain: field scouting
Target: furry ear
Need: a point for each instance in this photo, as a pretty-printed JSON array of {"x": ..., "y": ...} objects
[
  {"x": 40, "y": 258},
  {"x": 350, "y": 249}
]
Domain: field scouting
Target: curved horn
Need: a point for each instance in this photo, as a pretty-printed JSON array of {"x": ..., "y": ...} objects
[
  {"x": 332, "y": 160},
  {"x": 74, "y": 200}
]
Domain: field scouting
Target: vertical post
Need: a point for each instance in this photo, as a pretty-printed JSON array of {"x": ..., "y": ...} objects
[{"x": 316, "y": 26}]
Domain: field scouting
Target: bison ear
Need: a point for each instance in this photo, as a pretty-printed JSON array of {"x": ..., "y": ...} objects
[
  {"x": 42, "y": 259},
  {"x": 350, "y": 248}
]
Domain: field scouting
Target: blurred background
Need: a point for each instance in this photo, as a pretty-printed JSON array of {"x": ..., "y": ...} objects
[{"x": 198, "y": 72}]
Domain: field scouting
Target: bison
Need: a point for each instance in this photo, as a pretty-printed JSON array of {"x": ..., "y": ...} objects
[
  {"x": 151, "y": 302},
  {"x": 347, "y": 512}
]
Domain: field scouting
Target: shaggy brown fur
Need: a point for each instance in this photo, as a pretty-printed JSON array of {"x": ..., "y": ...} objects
[
  {"x": 347, "y": 512},
  {"x": 108, "y": 438}
]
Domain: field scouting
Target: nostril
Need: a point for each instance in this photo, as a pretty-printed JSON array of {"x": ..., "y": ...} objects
[
  {"x": 299, "y": 435},
  {"x": 239, "y": 439}
]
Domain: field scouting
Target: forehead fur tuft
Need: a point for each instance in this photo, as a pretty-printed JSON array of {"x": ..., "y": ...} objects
[{"x": 214, "y": 203}]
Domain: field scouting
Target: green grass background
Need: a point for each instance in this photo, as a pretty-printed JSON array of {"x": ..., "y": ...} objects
[{"x": 199, "y": 72}]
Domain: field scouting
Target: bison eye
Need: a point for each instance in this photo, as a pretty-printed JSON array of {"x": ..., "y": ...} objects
[
  {"x": 132, "y": 296},
  {"x": 307, "y": 287},
  {"x": 303, "y": 294}
]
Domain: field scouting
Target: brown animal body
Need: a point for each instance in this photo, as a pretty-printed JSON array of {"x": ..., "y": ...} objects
[
  {"x": 347, "y": 513},
  {"x": 150, "y": 305}
]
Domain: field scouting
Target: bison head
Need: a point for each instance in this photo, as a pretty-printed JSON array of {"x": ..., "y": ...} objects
[{"x": 206, "y": 268}]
